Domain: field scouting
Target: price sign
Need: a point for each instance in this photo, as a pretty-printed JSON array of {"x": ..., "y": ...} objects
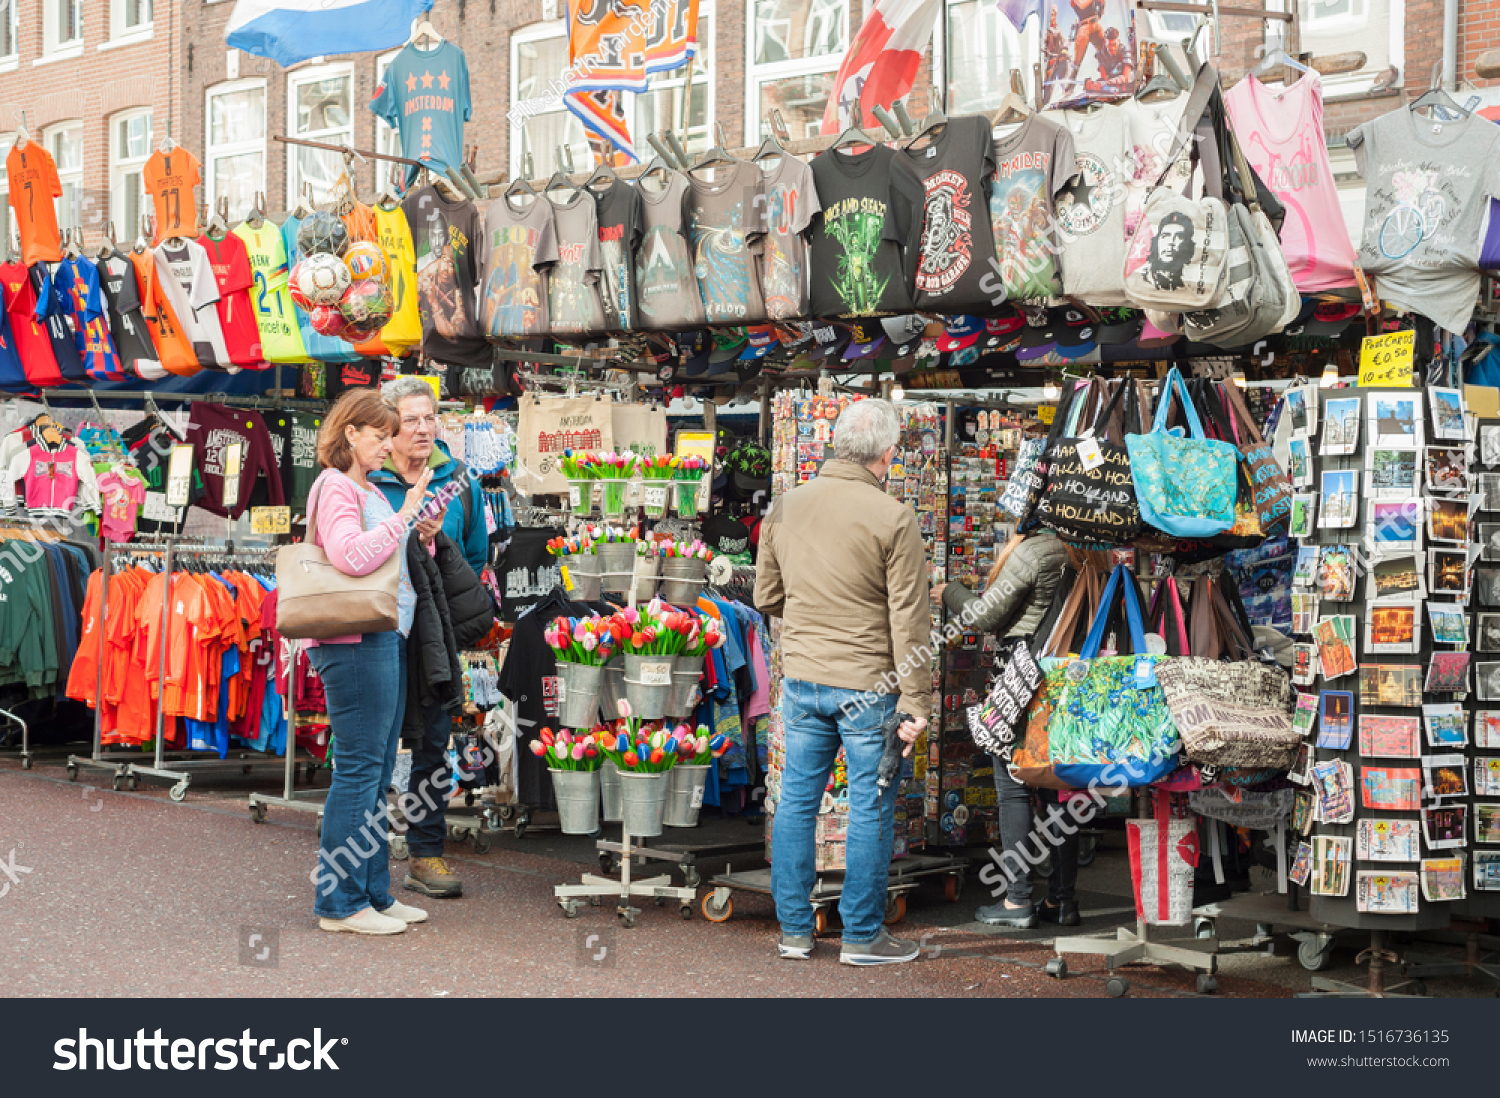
[
  {"x": 234, "y": 460},
  {"x": 656, "y": 495},
  {"x": 656, "y": 674},
  {"x": 179, "y": 475},
  {"x": 271, "y": 520},
  {"x": 1047, "y": 413},
  {"x": 1386, "y": 360}
]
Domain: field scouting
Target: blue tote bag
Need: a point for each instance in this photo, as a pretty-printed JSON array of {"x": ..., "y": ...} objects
[{"x": 1185, "y": 483}]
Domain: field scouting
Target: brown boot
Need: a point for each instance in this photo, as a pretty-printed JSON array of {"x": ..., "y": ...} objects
[{"x": 432, "y": 877}]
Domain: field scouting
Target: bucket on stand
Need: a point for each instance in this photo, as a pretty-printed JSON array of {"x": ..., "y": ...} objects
[
  {"x": 616, "y": 565},
  {"x": 611, "y": 690},
  {"x": 682, "y": 579},
  {"x": 643, "y": 800},
  {"x": 685, "y": 795},
  {"x": 577, "y": 800},
  {"x": 687, "y": 497},
  {"x": 686, "y": 671},
  {"x": 578, "y": 683},
  {"x": 648, "y": 681},
  {"x": 583, "y": 570},
  {"x": 609, "y": 791},
  {"x": 581, "y": 497},
  {"x": 614, "y": 497},
  {"x": 654, "y": 497},
  {"x": 647, "y": 573}
]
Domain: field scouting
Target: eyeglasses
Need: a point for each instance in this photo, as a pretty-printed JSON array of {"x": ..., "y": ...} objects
[{"x": 413, "y": 421}]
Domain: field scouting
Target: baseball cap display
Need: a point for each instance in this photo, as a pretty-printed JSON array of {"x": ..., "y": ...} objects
[
  {"x": 961, "y": 332},
  {"x": 864, "y": 341},
  {"x": 763, "y": 341},
  {"x": 1118, "y": 325},
  {"x": 1328, "y": 318},
  {"x": 1071, "y": 326},
  {"x": 727, "y": 348},
  {"x": 830, "y": 340},
  {"x": 1037, "y": 337},
  {"x": 903, "y": 335}
]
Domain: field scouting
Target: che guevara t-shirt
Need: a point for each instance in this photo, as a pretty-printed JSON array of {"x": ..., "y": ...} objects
[
  {"x": 666, "y": 287},
  {"x": 618, "y": 209},
  {"x": 949, "y": 251},
  {"x": 1032, "y": 166},
  {"x": 870, "y": 200},
  {"x": 513, "y": 304},
  {"x": 725, "y": 225}
]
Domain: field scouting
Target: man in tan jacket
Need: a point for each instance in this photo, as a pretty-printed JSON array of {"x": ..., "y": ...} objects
[{"x": 842, "y": 564}]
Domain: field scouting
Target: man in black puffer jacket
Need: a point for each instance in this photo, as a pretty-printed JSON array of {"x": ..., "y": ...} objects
[{"x": 454, "y": 612}]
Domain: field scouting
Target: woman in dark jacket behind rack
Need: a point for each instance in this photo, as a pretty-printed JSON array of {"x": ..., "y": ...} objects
[{"x": 1019, "y": 592}]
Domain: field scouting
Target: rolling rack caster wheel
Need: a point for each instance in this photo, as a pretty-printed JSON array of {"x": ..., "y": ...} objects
[
  {"x": 1310, "y": 957},
  {"x": 686, "y": 911},
  {"x": 714, "y": 910},
  {"x": 133, "y": 783},
  {"x": 953, "y": 887},
  {"x": 691, "y": 877},
  {"x": 1116, "y": 986},
  {"x": 626, "y": 917},
  {"x": 72, "y": 772},
  {"x": 117, "y": 783},
  {"x": 483, "y": 843},
  {"x": 258, "y": 815},
  {"x": 606, "y": 862},
  {"x": 505, "y": 811},
  {"x": 523, "y": 821},
  {"x": 178, "y": 792},
  {"x": 1088, "y": 845},
  {"x": 895, "y": 908},
  {"x": 1208, "y": 984},
  {"x": 820, "y": 922},
  {"x": 1057, "y": 968},
  {"x": 25, "y": 762},
  {"x": 569, "y": 908},
  {"x": 1203, "y": 927}
]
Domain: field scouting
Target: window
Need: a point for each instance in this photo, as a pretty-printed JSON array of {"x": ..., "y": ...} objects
[
  {"x": 7, "y": 223},
  {"x": 65, "y": 142},
  {"x": 129, "y": 149},
  {"x": 319, "y": 108},
  {"x": 980, "y": 48},
  {"x": 1376, "y": 28},
  {"x": 538, "y": 58},
  {"x": 236, "y": 145},
  {"x": 62, "y": 26},
  {"x": 10, "y": 31},
  {"x": 794, "y": 49},
  {"x": 657, "y": 109},
  {"x": 131, "y": 18}
]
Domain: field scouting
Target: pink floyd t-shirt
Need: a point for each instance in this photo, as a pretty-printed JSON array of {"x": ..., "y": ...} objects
[
  {"x": 666, "y": 286},
  {"x": 1281, "y": 134},
  {"x": 1032, "y": 166},
  {"x": 725, "y": 226},
  {"x": 949, "y": 255}
]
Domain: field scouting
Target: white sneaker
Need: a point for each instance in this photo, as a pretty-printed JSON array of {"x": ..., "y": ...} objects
[
  {"x": 368, "y": 921},
  {"x": 405, "y": 912}
]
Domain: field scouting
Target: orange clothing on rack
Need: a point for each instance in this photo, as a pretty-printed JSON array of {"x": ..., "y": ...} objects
[
  {"x": 83, "y": 677},
  {"x": 33, "y": 183}
]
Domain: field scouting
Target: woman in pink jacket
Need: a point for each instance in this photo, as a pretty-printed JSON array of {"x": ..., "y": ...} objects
[{"x": 364, "y": 676}]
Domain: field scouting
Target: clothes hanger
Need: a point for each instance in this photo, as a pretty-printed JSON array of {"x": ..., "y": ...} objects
[
  {"x": 23, "y": 135},
  {"x": 1276, "y": 58},
  {"x": 560, "y": 180},
  {"x": 1436, "y": 99},
  {"x": 604, "y": 174},
  {"x": 854, "y": 134},
  {"x": 106, "y": 246},
  {"x": 716, "y": 155},
  {"x": 257, "y": 216},
  {"x": 935, "y": 122},
  {"x": 389, "y": 197},
  {"x": 1165, "y": 76},
  {"x": 218, "y": 224},
  {"x": 305, "y": 203},
  {"x": 148, "y": 234},
  {"x": 1013, "y": 108},
  {"x": 773, "y": 145},
  {"x": 425, "y": 32}
]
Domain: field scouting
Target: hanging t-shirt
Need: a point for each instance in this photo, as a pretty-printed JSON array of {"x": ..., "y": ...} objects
[
  {"x": 870, "y": 201},
  {"x": 618, "y": 209},
  {"x": 1281, "y": 135},
  {"x": 174, "y": 350},
  {"x": 188, "y": 281},
  {"x": 1426, "y": 189},
  {"x": 948, "y": 253},
  {"x": 56, "y": 314},
  {"x": 150, "y": 444},
  {"x": 573, "y": 305},
  {"x": 791, "y": 200},
  {"x": 665, "y": 285},
  {"x": 403, "y": 331},
  {"x": 517, "y": 243},
  {"x": 170, "y": 179},
  {"x": 33, "y": 343},
  {"x": 127, "y": 327},
  {"x": 425, "y": 98},
  {"x": 725, "y": 225},
  {"x": 212, "y": 429},
  {"x": 32, "y": 177},
  {"x": 275, "y": 315},
  {"x": 294, "y": 436},
  {"x": 1032, "y": 166},
  {"x": 230, "y": 263},
  {"x": 1153, "y": 136},
  {"x": 121, "y": 496},
  {"x": 445, "y": 235},
  {"x": 12, "y": 372},
  {"x": 324, "y": 348},
  {"x": 77, "y": 280},
  {"x": 1091, "y": 209}
]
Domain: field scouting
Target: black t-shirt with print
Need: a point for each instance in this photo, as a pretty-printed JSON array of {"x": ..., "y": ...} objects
[
  {"x": 122, "y": 304},
  {"x": 871, "y": 202},
  {"x": 620, "y": 217},
  {"x": 949, "y": 251},
  {"x": 446, "y": 238},
  {"x": 294, "y": 438}
]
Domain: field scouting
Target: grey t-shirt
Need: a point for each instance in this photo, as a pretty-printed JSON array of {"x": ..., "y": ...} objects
[
  {"x": 666, "y": 288},
  {"x": 791, "y": 200},
  {"x": 1032, "y": 166},
  {"x": 1426, "y": 190},
  {"x": 573, "y": 274},
  {"x": 725, "y": 226},
  {"x": 513, "y": 294},
  {"x": 1091, "y": 209}
]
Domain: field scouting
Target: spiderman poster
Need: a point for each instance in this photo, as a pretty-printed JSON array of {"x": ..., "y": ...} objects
[{"x": 1088, "y": 48}]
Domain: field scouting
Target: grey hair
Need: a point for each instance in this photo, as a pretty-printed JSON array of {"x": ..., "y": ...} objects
[
  {"x": 407, "y": 385},
  {"x": 865, "y": 430}
]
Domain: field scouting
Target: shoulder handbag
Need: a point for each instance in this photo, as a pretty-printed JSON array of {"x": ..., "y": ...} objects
[
  {"x": 1025, "y": 485},
  {"x": 316, "y": 601},
  {"x": 1270, "y": 487},
  {"x": 1185, "y": 485},
  {"x": 1089, "y": 497},
  {"x": 1246, "y": 533}
]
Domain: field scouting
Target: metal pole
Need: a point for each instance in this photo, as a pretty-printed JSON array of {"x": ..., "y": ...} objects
[
  {"x": 161, "y": 664},
  {"x": 104, "y": 574},
  {"x": 290, "y": 742}
]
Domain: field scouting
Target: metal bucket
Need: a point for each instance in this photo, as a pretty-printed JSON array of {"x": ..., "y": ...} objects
[
  {"x": 648, "y": 681},
  {"x": 614, "y": 497},
  {"x": 616, "y": 565},
  {"x": 611, "y": 690},
  {"x": 609, "y": 791},
  {"x": 682, "y": 579},
  {"x": 685, "y": 795},
  {"x": 577, "y": 800},
  {"x": 647, "y": 573},
  {"x": 583, "y": 570},
  {"x": 655, "y": 493},
  {"x": 687, "y": 497},
  {"x": 686, "y": 671},
  {"x": 643, "y": 800},
  {"x": 581, "y": 497},
  {"x": 578, "y": 683}
]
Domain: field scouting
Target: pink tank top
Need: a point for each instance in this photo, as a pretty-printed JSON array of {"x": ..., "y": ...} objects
[{"x": 1281, "y": 133}]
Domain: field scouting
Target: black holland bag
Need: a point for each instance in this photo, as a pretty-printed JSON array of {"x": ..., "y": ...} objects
[
  {"x": 1024, "y": 488},
  {"x": 1090, "y": 494}
]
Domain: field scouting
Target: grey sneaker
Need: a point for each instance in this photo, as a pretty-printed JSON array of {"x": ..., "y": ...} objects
[
  {"x": 883, "y": 949},
  {"x": 795, "y": 947}
]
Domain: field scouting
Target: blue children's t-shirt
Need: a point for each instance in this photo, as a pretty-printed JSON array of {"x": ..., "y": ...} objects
[{"x": 425, "y": 97}]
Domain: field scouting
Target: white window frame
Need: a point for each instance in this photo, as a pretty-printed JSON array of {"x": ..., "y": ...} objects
[
  {"x": 295, "y": 80},
  {"x": 703, "y": 76},
  {"x": 212, "y": 152},
  {"x": 1350, "y": 84},
  {"x": 1030, "y": 48},
  {"x": 119, "y": 33},
  {"x": 52, "y": 47},
  {"x": 536, "y": 32},
  {"x": 7, "y": 142},
  {"x": 756, "y": 74},
  {"x": 10, "y": 60},
  {"x": 66, "y": 176},
  {"x": 387, "y": 137},
  {"x": 120, "y": 166}
]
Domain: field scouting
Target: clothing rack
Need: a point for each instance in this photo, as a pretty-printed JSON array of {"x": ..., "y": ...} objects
[
  {"x": 25, "y": 526},
  {"x": 151, "y": 397}
]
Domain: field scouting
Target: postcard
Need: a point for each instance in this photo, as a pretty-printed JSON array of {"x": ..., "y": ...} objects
[
  {"x": 1299, "y": 466},
  {"x": 1393, "y": 421},
  {"x": 1391, "y": 788},
  {"x": 1487, "y": 728},
  {"x": 1300, "y": 773},
  {"x": 1302, "y": 812},
  {"x": 1489, "y": 491},
  {"x": 1486, "y": 870},
  {"x": 1443, "y": 879},
  {"x": 1391, "y": 627},
  {"x": 1335, "y": 639},
  {"x": 1448, "y": 521},
  {"x": 1487, "y": 776},
  {"x": 1447, "y": 414},
  {"x": 1304, "y": 664},
  {"x": 1336, "y": 719},
  {"x": 1393, "y": 474},
  {"x": 1447, "y": 469},
  {"x": 1337, "y": 573},
  {"x": 1489, "y": 541},
  {"x": 1448, "y": 673},
  {"x": 1445, "y": 776},
  {"x": 1330, "y": 857},
  {"x": 1390, "y": 737},
  {"x": 1489, "y": 447},
  {"x": 1487, "y": 587},
  {"x": 1398, "y": 576},
  {"x": 1340, "y": 427},
  {"x": 1333, "y": 782},
  {"x": 1487, "y": 681},
  {"x": 1445, "y": 827},
  {"x": 1398, "y": 684},
  {"x": 1302, "y": 408},
  {"x": 1448, "y": 572},
  {"x": 1446, "y": 725},
  {"x": 1386, "y": 893},
  {"x": 1305, "y": 714},
  {"x": 1383, "y": 840},
  {"x": 1487, "y": 823},
  {"x": 1306, "y": 572},
  {"x": 1304, "y": 510},
  {"x": 1340, "y": 500},
  {"x": 1302, "y": 865},
  {"x": 1450, "y": 623},
  {"x": 1304, "y": 610},
  {"x": 1488, "y": 632},
  {"x": 1396, "y": 524}
]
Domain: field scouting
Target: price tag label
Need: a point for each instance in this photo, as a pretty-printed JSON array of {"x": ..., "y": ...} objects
[
  {"x": 234, "y": 460},
  {"x": 698, "y": 796},
  {"x": 575, "y": 495},
  {"x": 656, "y": 674},
  {"x": 1047, "y": 413},
  {"x": 567, "y": 578},
  {"x": 1089, "y": 453},
  {"x": 180, "y": 475},
  {"x": 656, "y": 495},
  {"x": 1386, "y": 360},
  {"x": 271, "y": 520}
]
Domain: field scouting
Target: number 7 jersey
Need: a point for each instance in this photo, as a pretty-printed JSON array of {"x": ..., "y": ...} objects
[{"x": 275, "y": 315}]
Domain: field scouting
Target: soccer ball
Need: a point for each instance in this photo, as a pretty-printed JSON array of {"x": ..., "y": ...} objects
[
  {"x": 294, "y": 286},
  {"x": 323, "y": 279},
  {"x": 365, "y": 302},
  {"x": 322, "y": 232},
  {"x": 365, "y": 261},
  {"x": 328, "y": 320}
]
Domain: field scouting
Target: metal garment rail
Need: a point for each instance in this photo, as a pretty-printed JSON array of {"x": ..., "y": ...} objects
[
  {"x": 259, "y": 802},
  {"x": 142, "y": 395}
]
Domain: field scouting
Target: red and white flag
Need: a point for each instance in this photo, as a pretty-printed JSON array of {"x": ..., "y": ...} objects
[{"x": 882, "y": 62}]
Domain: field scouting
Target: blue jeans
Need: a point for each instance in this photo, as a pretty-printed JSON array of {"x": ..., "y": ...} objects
[
  {"x": 431, "y": 781},
  {"x": 815, "y": 729},
  {"x": 366, "y": 688}
]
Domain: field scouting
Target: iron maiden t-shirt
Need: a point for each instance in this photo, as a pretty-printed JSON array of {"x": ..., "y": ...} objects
[
  {"x": 949, "y": 253},
  {"x": 870, "y": 201}
]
